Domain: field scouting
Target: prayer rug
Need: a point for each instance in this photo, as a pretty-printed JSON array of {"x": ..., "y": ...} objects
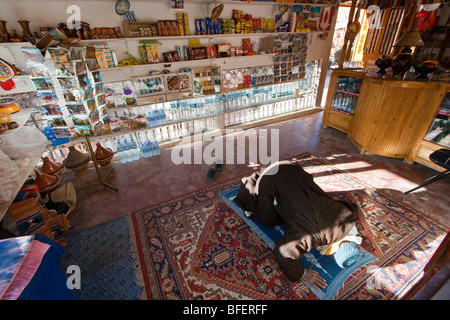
[
  {"x": 325, "y": 265},
  {"x": 197, "y": 247}
]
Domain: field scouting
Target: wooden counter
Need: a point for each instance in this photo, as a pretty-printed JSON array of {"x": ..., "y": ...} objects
[
  {"x": 391, "y": 114},
  {"x": 391, "y": 117}
]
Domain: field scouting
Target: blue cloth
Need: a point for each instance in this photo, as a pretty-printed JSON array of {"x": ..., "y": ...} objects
[
  {"x": 49, "y": 282},
  {"x": 327, "y": 267}
]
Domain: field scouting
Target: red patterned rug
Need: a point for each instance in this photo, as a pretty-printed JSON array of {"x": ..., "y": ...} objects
[{"x": 196, "y": 247}]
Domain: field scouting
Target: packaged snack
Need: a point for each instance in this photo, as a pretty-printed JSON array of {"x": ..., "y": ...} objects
[
  {"x": 143, "y": 53},
  {"x": 247, "y": 46},
  {"x": 148, "y": 86},
  {"x": 186, "y": 24},
  {"x": 152, "y": 54},
  {"x": 212, "y": 51},
  {"x": 224, "y": 50},
  {"x": 199, "y": 53},
  {"x": 208, "y": 26},
  {"x": 180, "y": 23},
  {"x": 186, "y": 53}
]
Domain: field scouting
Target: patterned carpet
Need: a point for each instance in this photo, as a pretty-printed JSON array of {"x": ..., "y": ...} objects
[
  {"x": 107, "y": 260},
  {"x": 196, "y": 247}
]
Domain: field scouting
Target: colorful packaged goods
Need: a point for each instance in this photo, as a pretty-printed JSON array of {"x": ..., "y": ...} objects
[
  {"x": 224, "y": 50},
  {"x": 228, "y": 26},
  {"x": 151, "y": 85},
  {"x": 200, "y": 27},
  {"x": 180, "y": 19},
  {"x": 206, "y": 81},
  {"x": 212, "y": 51},
  {"x": 186, "y": 24},
  {"x": 247, "y": 46}
]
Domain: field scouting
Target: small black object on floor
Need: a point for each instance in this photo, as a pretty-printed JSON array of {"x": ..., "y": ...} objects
[{"x": 216, "y": 167}]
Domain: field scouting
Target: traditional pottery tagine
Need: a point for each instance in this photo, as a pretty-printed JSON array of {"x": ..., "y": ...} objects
[
  {"x": 46, "y": 182},
  {"x": 383, "y": 63},
  {"x": 103, "y": 156},
  {"x": 401, "y": 63},
  {"x": 425, "y": 67},
  {"x": 77, "y": 161},
  {"x": 50, "y": 167}
]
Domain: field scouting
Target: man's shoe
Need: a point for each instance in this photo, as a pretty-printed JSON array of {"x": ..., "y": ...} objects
[{"x": 210, "y": 174}]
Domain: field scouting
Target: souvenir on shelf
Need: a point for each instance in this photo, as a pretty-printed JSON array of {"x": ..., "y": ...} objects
[
  {"x": 104, "y": 56},
  {"x": 206, "y": 81},
  {"x": 236, "y": 79},
  {"x": 150, "y": 89},
  {"x": 262, "y": 75},
  {"x": 289, "y": 63},
  {"x": 35, "y": 62},
  {"x": 178, "y": 85},
  {"x": 79, "y": 87},
  {"x": 119, "y": 94}
]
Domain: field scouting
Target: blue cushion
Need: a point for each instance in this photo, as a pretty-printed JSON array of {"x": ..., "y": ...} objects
[{"x": 347, "y": 255}]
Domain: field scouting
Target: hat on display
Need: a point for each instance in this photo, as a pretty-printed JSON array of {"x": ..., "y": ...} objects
[{"x": 347, "y": 255}]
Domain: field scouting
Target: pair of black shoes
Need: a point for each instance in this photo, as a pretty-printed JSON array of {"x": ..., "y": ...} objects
[{"x": 216, "y": 167}]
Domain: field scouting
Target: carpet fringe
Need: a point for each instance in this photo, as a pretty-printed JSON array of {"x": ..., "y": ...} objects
[{"x": 135, "y": 254}]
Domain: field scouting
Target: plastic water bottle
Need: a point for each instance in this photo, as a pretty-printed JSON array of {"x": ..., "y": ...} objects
[
  {"x": 157, "y": 152},
  {"x": 152, "y": 148},
  {"x": 147, "y": 149},
  {"x": 121, "y": 151},
  {"x": 127, "y": 150},
  {"x": 134, "y": 149},
  {"x": 151, "y": 118},
  {"x": 142, "y": 145}
]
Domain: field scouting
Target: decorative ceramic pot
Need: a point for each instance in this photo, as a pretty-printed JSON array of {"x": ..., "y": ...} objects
[
  {"x": 401, "y": 63},
  {"x": 77, "y": 161},
  {"x": 4, "y": 34},
  {"x": 50, "y": 167},
  {"x": 425, "y": 67},
  {"x": 103, "y": 156},
  {"x": 26, "y": 28},
  {"x": 46, "y": 182},
  {"x": 383, "y": 63}
]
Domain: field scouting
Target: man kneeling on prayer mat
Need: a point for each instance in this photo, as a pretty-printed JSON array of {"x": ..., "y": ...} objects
[{"x": 285, "y": 192}]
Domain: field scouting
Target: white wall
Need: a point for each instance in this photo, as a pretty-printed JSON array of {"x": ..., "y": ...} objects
[{"x": 101, "y": 13}]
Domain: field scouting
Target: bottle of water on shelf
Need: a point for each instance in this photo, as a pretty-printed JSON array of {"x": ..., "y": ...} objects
[
  {"x": 154, "y": 146},
  {"x": 127, "y": 150},
  {"x": 156, "y": 150},
  {"x": 163, "y": 115},
  {"x": 121, "y": 151},
  {"x": 147, "y": 145},
  {"x": 134, "y": 149}
]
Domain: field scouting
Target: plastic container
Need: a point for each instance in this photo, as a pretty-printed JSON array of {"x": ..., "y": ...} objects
[
  {"x": 140, "y": 121},
  {"x": 115, "y": 125},
  {"x": 124, "y": 124}
]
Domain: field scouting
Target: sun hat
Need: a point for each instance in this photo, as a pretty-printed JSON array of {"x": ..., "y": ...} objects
[{"x": 347, "y": 255}]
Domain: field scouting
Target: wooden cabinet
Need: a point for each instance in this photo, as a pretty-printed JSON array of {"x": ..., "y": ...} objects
[
  {"x": 391, "y": 117},
  {"x": 435, "y": 132},
  {"x": 342, "y": 97}
]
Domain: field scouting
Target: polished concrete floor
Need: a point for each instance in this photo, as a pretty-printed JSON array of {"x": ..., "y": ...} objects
[{"x": 150, "y": 181}]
